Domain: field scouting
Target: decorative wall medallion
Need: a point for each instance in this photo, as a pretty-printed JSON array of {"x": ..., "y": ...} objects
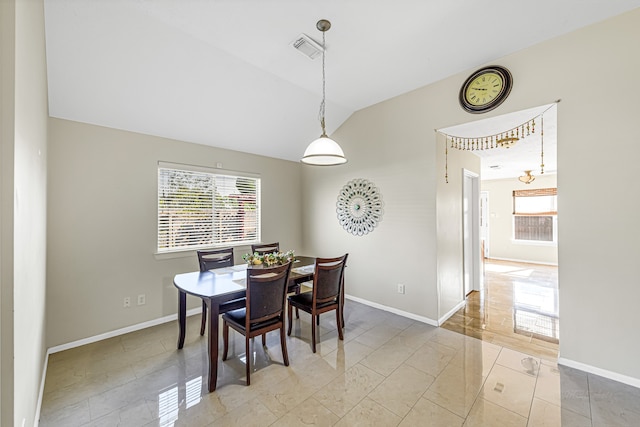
[{"x": 359, "y": 207}]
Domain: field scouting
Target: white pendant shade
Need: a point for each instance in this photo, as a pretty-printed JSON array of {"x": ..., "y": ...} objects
[{"x": 324, "y": 151}]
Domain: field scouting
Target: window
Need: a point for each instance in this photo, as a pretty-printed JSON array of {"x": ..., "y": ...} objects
[
  {"x": 535, "y": 215},
  {"x": 198, "y": 208}
]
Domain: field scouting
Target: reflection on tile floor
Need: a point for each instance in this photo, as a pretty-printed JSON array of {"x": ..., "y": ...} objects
[
  {"x": 518, "y": 308},
  {"x": 388, "y": 371}
]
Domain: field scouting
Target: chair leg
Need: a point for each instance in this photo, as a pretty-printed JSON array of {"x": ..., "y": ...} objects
[
  {"x": 297, "y": 311},
  {"x": 318, "y": 320},
  {"x": 313, "y": 333},
  {"x": 289, "y": 316},
  {"x": 203, "y": 325},
  {"x": 264, "y": 340},
  {"x": 342, "y": 307},
  {"x": 248, "y": 359},
  {"x": 225, "y": 338},
  {"x": 338, "y": 315},
  {"x": 283, "y": 344}
]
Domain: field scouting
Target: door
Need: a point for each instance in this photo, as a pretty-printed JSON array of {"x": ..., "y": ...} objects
[{"x": 471, "y": 231}]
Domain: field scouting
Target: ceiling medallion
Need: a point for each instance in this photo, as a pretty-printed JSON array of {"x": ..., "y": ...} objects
[{"x": 359, "y": 207}]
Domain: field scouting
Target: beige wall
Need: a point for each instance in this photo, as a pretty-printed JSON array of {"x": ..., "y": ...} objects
[
  {"x": 398, "y": 250},
  {"x": 449, "y": 224},
  {"x": 103, "y": 225},
  {"x": 598, "y": 228},
  {"x": 24, "y": 171},
  {"x": 7, "y": 147},
  {"x": 393, "y": 145},
  {"x": 501, "y": 244}
]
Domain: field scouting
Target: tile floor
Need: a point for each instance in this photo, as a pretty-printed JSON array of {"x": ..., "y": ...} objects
[
  {"x": 517, "y": 309},
  {"x": 389, "y": 371}
]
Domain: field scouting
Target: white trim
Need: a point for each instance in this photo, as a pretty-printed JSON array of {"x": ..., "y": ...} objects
[
  {"x": 191, "y": 252},
  {"x": 394, "y": 310},
  {"x": 522, "y": 260},
  {"x": 451, "y": 312},
  {"x": 206, "y": 169},
  {"x": 533, "y": 243},
  {"x": 471, "y": 260},
  {"x": 36, "y": 419},
  {"x": 121, "y": 331},
  {"x": 625, "y": 379}
]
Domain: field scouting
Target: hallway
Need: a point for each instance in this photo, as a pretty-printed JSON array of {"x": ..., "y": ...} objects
[{"x": 518, "y": 308}]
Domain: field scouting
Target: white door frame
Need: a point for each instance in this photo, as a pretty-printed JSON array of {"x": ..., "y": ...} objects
[
  {"x": 484, "y": 223},
  {"x": 470, "y": 232}
]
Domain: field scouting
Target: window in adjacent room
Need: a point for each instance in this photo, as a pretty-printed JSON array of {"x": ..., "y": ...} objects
[
  {"x": 200, "y": 208},
  {"x": 535, "y": 215}
]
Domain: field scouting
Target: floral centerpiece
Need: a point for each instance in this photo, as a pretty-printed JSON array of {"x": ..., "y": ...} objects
[{"x": 274, "y": 258}]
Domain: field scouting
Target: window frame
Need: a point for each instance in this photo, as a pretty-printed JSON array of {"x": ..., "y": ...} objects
[
  {"x": 553, "y": 213},
  {"x": 212, "y": 173}
]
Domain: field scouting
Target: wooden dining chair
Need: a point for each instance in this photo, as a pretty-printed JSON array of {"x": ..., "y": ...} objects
[
  {"x": 208, "y": 260},
  {"x": 265, "y": 248},
  {"x": 264, "y": 312},
  {"x": 269, "y": 248},
  {"x": 326, "y": 295}
]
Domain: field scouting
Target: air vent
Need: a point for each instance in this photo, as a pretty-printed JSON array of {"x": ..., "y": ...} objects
[{"x": 305, "y": 45}]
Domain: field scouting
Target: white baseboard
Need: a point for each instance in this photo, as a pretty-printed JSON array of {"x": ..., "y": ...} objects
[
  {"x": 522, "y": 260},
  {"x": 625, "y": 379},
  {"x": 394, "y": 310},
  {"x": 451, "y": 312},
  {"x": 121, "y": 331}
]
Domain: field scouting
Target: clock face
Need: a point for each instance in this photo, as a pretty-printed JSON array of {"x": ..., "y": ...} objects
[{"x": 485, "y": 89}]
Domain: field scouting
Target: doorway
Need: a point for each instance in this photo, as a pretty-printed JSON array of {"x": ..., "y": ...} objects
[
  {"x": 471, "y": 232},
  {"x": 495, "y": 239}
]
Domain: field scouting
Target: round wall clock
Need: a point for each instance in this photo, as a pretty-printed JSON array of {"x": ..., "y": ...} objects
[
  {"x": 485, "y": 89},
  {"x": 359, "y": 207}
]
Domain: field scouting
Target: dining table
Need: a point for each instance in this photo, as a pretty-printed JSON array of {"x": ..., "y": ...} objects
[{"x": 222, "y": 290}]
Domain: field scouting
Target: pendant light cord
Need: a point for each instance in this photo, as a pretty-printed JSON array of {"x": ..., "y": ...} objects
[{"x": 322, "y": 104}]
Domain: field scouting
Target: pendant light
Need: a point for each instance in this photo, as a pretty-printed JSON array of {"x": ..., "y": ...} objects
[
  {"x": 324, "y": 151},
  {"x": 527, "y": 178}
]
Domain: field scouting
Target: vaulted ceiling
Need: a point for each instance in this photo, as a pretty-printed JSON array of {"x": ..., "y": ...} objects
[{"x": 224, "y": 73}]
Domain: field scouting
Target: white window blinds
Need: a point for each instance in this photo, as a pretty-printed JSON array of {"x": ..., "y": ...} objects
[{"x": 198, "y": 209}]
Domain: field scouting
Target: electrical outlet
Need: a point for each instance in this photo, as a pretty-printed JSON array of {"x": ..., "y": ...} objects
[
  {"x": 142, "y": 299},
  {"x": 127, "y": 302},
  {"x": 400, "y": 288}
]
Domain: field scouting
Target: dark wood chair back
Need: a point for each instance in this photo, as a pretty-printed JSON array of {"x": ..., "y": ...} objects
[
  {"x": 326, "y": 295},
  {"x": 207, "y": 260},
  {"x": 264, "y": 311},
  {"x": 266, "y": 293},
  {"x": 215, "y": 258},
  {"x": 327, "y": 279},
  {"x": 265, "y": 248}
]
